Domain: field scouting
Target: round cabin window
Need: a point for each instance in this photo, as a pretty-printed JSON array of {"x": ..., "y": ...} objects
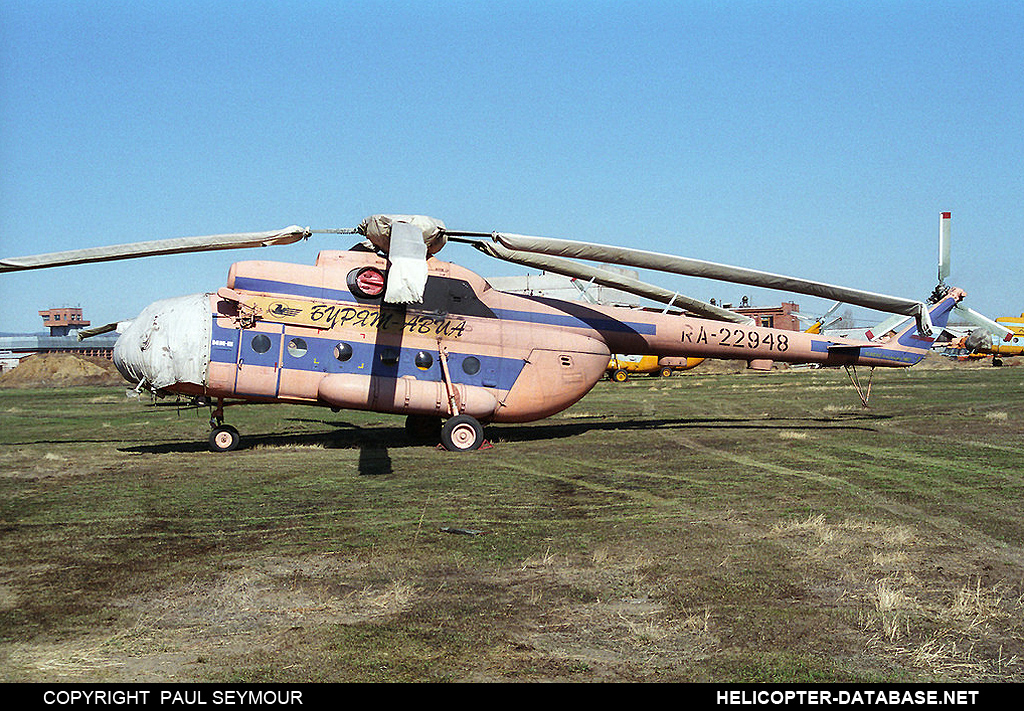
[
  {"x": 424, "y": 360},
  {"x": 297, "y": 348},
  {"x": 343, "y": 352},
  {"x": 260, "y": 343},
  {"x": 471, "y": 365}
]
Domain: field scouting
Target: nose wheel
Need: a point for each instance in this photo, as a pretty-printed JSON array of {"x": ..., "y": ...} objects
[{"x": 224, "y": 438}]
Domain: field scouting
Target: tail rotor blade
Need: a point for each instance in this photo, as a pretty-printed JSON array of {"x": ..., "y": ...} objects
[
  {"x": 945, "y": 218},
  {"x": 983, "y": 322}
]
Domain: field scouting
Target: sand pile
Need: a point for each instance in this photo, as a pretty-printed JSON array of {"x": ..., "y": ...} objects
[{"x": 61, "y": 370}]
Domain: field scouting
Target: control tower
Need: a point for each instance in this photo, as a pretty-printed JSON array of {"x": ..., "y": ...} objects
[{"x": 63, "y": 321}]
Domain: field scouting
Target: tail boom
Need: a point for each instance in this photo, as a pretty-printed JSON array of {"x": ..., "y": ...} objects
[
  {"x": 903, "y": 349},
  {"x": 668, "y": 335}
]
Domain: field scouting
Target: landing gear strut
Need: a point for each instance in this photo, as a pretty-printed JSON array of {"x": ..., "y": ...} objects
[
  {"x": 461, "y": 433},
  {"x": 851, "y": 370}
]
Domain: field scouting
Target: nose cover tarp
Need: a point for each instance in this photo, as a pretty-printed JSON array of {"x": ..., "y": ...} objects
[{"x": 168, "y": 343}]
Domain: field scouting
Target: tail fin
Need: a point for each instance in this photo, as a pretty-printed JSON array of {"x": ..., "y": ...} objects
[{"x": 911, "y": 341}]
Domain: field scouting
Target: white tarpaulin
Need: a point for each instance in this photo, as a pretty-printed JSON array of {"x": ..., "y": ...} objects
[
  {"x": 377, "y": 229},
  {"x": 407, "y": 275},
  {"x": 168, "y": 343},
  {"x": 407, "y": 240}
]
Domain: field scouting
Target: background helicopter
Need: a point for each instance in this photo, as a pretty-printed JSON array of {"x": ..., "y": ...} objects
[{"x": 388, "y": 327}]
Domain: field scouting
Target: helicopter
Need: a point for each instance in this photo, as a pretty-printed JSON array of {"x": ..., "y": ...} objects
[{"x": 386, "y": 326}]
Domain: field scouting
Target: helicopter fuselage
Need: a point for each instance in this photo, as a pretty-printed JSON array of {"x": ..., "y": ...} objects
[{"x": 322, "y": 335}]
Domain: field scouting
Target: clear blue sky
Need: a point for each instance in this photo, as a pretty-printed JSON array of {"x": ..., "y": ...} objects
[{"x": 818, "y": 139}]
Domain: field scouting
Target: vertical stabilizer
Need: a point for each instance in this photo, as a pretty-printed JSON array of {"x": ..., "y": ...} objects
[{"x": 911, "y": 340}]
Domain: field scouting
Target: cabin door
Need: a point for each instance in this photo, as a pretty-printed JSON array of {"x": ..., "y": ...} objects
[{"x": 259, "y": 361}]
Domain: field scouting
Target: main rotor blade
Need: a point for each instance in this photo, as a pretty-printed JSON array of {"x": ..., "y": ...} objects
[
  {"x": 973, "y": 317},
  {"x": 611, "y": 280},
  {"x": 721, "y": 272},
  {"x": 135, "y": 250},
  {"x": 84, "y": 333}
]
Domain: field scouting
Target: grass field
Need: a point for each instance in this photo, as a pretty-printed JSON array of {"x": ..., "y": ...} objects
[{"x": 730, "y": 527}]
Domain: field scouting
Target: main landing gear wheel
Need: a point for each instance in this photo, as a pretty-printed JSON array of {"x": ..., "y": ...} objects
[
  {"x": 462, "y": 433},
  {"x": 224, "y": 438}
]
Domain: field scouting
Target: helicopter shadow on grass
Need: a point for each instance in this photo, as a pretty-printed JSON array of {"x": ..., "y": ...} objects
[
  {"x": 549, "y": 431},
  {"x": 374, "y": 443}
]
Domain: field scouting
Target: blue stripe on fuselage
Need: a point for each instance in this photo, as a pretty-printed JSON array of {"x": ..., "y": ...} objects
[
  {"x": 369, "y": 359},
  {"x": 280, "y": 287},
  {"x": 891, "y": 355}
]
